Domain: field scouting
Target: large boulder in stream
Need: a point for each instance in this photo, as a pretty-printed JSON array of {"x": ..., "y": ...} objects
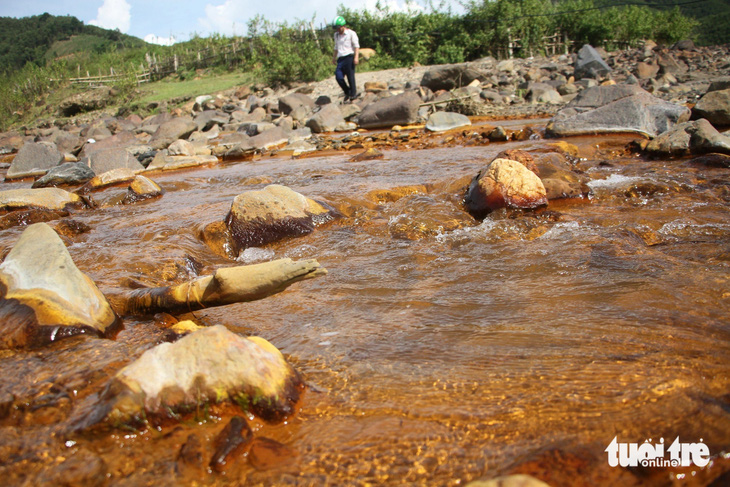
[
  {"x": 45, "y": 297},
  {"x": 273, "y": 213},
  {"x": 169, "y": 132},
  {"x": 504, "y": 184},
  {"x": 207, "y": 367},
  {"x": 616, "y": 109}
]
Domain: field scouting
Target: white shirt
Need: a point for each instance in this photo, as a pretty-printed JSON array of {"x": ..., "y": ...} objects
[{"x": 345, "y": 44}]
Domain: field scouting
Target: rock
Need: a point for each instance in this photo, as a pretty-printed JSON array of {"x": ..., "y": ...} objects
[
  {"x": 169, "y": 132},
  {"x": 367, "y": 155},
  {"x": 419, "y": 216},
  {"x": 81, "y": 467},
  {"x": 142, "y": 188},
  {"x": 108, "y": 178},
  {"x": 715, "y": 107},
  {"x": 722, "y": 83},
  {"x": 34, "y": 159},
  {"x": 230, "y": 443},
  {"x": 590, "y": 64},
  {"x": 366, "y": 53},
  {"x": 70, "y": 173},
  {"x": 518, "y": 480},
  {"x": 327, "y": 119},
  {"x": 393, "y": 110},
  {"x": 208, "y": 119},
  {"x": 668, "y": 64},
  {"x": 105, "y": 160},
  {"x": 270, "y": 138},
  {"x": 450, "y": 76},
  {"x": 266, "y": 453},
  {"x": 181, "y": 148},
  {"x": 616, "y": 109},
  {"x": 504, "y": 184},
  {"x": 543, "y": 93},
  {"x": 375, "y": 86},
  {"x": 275, "y": 212},
  {"x": 523, "y": 157},
  {"x": 696, "y": 137},
  {"x": 646, "y": 70},
  {"x": 42, "y": 198},
  {"x": 289, "y": 103},
  {"x": 45, "y": 297},
  {"x": 441, "y": 121},
  {"x": 165, "y": 382},
  {"x": 169, "y": 163},
  {"x": 559, "y": 180},
  {"x": 117, "y": 141}
]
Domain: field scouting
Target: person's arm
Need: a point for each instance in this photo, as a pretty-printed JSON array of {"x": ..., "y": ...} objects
[
  {"x": 357, "y": 55},
  {"x": 356, "y": 47}
]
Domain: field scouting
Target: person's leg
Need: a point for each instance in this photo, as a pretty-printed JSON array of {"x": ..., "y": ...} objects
[
  {"x": 340, "y": 74},
  {"x": 351, "y": 78}
]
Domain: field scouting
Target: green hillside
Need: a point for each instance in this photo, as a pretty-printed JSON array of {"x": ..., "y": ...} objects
[{"x": 43, "y": 38}]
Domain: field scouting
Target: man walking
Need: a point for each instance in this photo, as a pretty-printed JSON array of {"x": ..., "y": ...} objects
[{"x": 347, "y": 52}]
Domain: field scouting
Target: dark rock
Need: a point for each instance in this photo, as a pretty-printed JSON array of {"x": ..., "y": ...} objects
[
  {"x": 141, "y": 189},
  {"x": 448, "y": 77},
  {"x": 207, "y": 119},
  {"x": 266, "y": 453},
  {"x": 590, "y": 64},
  {"x": 690, "y": 137},
  {"x": 387, "y": 112},
  {"x": 289, "y": 103},
  {"x": 81, "y": 467},
  {"x": 231, "y": 443},
  {"x": 70, "y": 173}
]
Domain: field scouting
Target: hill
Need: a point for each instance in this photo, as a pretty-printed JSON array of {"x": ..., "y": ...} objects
[{"x": 42, "y": 38}]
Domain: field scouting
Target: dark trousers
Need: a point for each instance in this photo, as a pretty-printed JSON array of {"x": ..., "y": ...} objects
[{"x": 346, "y": 68}]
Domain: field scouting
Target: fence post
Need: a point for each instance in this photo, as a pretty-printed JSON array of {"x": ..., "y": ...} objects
[{"x": 175, "y": 61}]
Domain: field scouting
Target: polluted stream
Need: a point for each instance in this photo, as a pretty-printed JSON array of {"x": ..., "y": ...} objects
[{"x": 438, "y": 350}]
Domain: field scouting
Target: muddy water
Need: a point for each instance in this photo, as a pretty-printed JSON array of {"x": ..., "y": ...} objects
[{"x": 438, "y": 350}]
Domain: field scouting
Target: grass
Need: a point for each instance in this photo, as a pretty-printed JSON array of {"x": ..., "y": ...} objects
[{"x": 171, "y": 89}]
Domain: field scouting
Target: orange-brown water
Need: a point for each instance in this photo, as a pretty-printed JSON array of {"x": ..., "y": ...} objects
[{"x": 464, "y": 354}]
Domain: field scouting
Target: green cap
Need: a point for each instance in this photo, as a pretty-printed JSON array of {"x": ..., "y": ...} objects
[{"x": 339, "y": 21}]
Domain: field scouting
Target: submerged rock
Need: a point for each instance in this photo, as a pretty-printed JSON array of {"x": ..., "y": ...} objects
[
  {"x": 231, "y": 443},
  {"x": 66, "y": 174},
  {"x": 42, "y": 198},
  {"x": 517, "y": 480},
  {"x": 208, "y": 366},
  {"x": 45, "y": 297},
  {"x": 504, "y": 184},
  {"x": 110, "y": 178},
  {"x": 142, "y": 188},
  {"x": 273, "y": 213}
]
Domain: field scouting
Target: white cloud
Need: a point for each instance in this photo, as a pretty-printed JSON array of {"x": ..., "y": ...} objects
[
  {"x": 222, "y": 18},
  {"x": 162, "y": 41},
  {"x": 113, "y": 14}
]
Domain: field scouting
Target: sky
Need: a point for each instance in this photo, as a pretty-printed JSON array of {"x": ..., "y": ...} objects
[{"x": 166, "y": 21}]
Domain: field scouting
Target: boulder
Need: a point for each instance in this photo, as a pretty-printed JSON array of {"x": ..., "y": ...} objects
[
  {"x": 289, "y": 103},
  {"x": 169, "y": 132},
  {"x": 142, "y": 188},
  {"x": 34, "y": 159},
  {"x": 504, "y": 184},
  {"x": 366, "y": 53},
  {"x": 273, "y": 213},
  {"x": 45, "y": 297},
  {"x": 105, "y": 160},
  {"x": 393, "y": 110},
  {"x": 559, "y": 179},
  {"x": 696, "y": 137},
  {"x": 181, "y": 148},
  {"x": 162, "y": 162},
  {"x": 441, "y": 121},
  {"x": 715, "y": 107},
  {"x": 207, "y": 119},
  {"x": 450, "y": 76},
  {"x": 43, "y": 198},
  {"x": 207, "y": 367},
  {"x": 376, "y": 86},
  {"x": 117, "y": 141},
  {"x": 70, "y": 173},
  {"x": 327, "y": 119},
  {"x": 590, "y": 64},
  {"x": 616, "y": 109}
]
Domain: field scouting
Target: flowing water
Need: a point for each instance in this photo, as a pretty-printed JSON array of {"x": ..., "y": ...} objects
[{"x": 438, "y": 349}]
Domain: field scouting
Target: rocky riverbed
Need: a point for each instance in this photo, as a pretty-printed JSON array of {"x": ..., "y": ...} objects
[{"x": 507, "y": 265}]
